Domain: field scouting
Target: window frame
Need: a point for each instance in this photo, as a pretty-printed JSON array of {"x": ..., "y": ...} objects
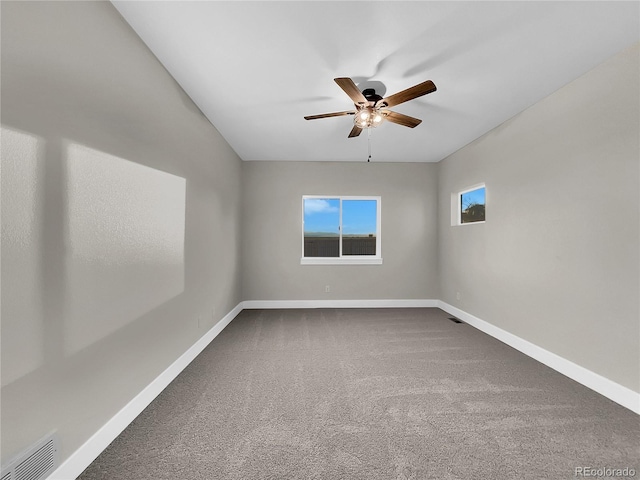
[
  {"x": 457, "y": 217},
  {"x": 345, "y": 259}
]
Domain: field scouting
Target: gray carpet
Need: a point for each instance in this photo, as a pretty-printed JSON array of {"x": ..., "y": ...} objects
[{"x": 368, "y": 394}]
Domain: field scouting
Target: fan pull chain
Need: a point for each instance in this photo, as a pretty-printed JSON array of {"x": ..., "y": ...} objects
[{"x": 369, "y": 143}]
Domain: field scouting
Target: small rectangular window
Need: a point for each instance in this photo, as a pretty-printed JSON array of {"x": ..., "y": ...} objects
[
  {"x": 472, "y": 205},
  {"x": 341, "y": 230}
]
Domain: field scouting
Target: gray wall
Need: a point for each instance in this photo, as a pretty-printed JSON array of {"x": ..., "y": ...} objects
[
  {"x": 120, "y": 221},
  {"x": 556, "y": 262},
  {"x": 272, "y": 231}
]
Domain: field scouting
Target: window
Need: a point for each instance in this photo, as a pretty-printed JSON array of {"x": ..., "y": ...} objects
[
  {"x": 340, "y": 230},
  {"x": 471, "y": 205}
]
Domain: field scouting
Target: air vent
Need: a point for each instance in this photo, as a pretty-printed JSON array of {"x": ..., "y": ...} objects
[
  {"x": 455, "y": 320},
  {"x": 36, "y": 463}
]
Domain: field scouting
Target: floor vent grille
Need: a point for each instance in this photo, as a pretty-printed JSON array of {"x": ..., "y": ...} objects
[
  {"x": 36, "y": 463},
  {"x": 455, "y": 320}
]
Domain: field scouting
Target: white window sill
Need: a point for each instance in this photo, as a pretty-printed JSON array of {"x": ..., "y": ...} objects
[
  {"x": 470, "y": 223},
  {"x": 355, "y": 260}
]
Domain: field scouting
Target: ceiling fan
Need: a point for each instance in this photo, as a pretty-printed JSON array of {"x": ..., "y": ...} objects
[{"x": 371, "y": 108}]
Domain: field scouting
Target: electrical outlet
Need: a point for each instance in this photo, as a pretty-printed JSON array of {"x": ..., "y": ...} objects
[
  {"x": 199, "y": 321},
  {"x": 327, "y": 288},
  {"x": 213, "y": 312},
  {"x": 458, "y": 295}
]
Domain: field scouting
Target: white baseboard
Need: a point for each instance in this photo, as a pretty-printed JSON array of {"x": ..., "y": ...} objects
[
  {"x": 89, "y": 451},
  {"x": 407, "y": 303},
  {"x": 608, "y": 388}
]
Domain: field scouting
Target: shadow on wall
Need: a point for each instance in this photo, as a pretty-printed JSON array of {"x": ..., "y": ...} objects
[{"x": 90, "y": 243}]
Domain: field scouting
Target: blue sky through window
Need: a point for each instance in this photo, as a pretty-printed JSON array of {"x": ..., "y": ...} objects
[
  {"x": 359, "y": 217},
  {"x": 322, "y": 215},
  {"x": 473, "y": 197}
]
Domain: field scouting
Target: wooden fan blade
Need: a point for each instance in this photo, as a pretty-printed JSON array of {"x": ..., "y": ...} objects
[
  {"x": 325, "y": 115},
  {"x": 401, "y": 119},
  {"x": 408, "y": 94},
  {"x": 350, "y": 88},
  {"x": 355, "y": 131}
]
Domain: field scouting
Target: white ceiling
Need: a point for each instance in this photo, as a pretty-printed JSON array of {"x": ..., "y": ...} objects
[{"x": 256, "y": 68}]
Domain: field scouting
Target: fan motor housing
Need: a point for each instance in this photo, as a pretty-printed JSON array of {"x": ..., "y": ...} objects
[{"x": 371, "y": 95}]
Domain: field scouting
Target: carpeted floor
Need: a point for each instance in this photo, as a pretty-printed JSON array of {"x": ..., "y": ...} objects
[{"x": 368, "y": 394}]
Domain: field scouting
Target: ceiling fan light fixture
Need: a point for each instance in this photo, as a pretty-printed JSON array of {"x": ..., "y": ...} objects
[{"x": 367, "y": 117}]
